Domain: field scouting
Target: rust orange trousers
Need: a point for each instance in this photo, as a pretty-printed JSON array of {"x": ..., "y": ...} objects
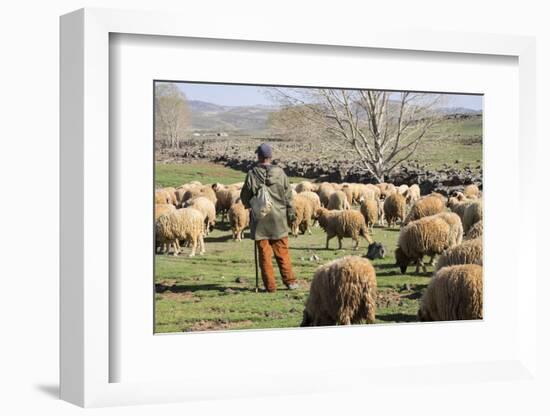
[{"x": 279, "y": 248}]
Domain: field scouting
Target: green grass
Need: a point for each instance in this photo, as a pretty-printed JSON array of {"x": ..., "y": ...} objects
[
  {"x": 452, "y": 140},
  {"x": 203, "y": 292},
  {"x": 175, "y": 174}
]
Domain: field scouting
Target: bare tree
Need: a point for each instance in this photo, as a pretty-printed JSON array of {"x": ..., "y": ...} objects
[
  {"x": 172, "y": 115},
  {"x": 383, "y": 128}
]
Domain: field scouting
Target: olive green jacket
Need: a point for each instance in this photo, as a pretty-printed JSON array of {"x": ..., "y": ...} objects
[{"x": 274, "y": 225}]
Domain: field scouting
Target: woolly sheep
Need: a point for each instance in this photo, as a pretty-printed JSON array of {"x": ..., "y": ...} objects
[
  {"x": 394, "y": 208},
  {"x": 182, "y": 224},
  {"x": 413, "y": 194},
  {"x": 454, "y": 221},
  {"x": 425, "y": 207},
  {"x": 198, "y": 191},
  {"x": 162, "y": 197},
  {"x": 347, "y": 223},
  {"x": 303, "y": 215},
  {"x": 469, "y": 252},
  {"x": 163, "y": 209},
  {"x": 338, "y": 201},
  {"x": 305, "y": 186},
  {"x": 348, "y": 192},
  {"x": 225, "y": 198},
  {"x": 342, "y": 292},
  {"x": 403, "y": 189},
  {"x": 427, "y": 236},
  {"x": 454, "y": 293},
  {"x": 312, "y": 198},
  {"x": 458, "y": 205},
  {"x": 471, "y": 192},
  {"x": 239, "y": 218},
  {"x": 172, "y": 193},
  {"x": 475, "y": 231},
  {"x": 472, "y": 214},
  {"x": 207, "y": 208},
  {"x": 369, "y": 209},
  {"x": 386, "y": 189},
  {"x": 324, "y": 191}
]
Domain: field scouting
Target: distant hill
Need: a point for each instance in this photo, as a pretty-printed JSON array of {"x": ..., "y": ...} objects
[
  {"x": 214, "y": 117},
  {"x": 208, "y": 116}
]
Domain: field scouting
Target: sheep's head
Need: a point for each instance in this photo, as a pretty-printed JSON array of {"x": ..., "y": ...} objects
[
  {"x": 401, "y": 260},
  {"x": 376, "y": 251}
]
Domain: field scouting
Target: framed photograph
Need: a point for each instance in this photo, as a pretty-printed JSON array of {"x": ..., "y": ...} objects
[{"x": 236, "y": 209}]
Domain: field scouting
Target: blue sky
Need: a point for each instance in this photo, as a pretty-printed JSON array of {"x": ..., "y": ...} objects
[{"x": 235, "y": 95}]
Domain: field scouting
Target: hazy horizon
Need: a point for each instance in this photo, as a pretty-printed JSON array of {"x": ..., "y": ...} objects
[{"x": 235, "y": 95}]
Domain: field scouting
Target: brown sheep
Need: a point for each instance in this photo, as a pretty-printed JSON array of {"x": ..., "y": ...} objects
[
  {"x": 348, "y": 223},
  {"x": 475, "y": 231},
  {"x": 454, "y": 293},
  {"x": 469, "y": 252},
  {"x": 395, "y": 207},
  {"x": 472, "y": 214},
  {"x": 471, "y": 192},
  {"x": 303, "y": 210},
  {"x": 239, "y": 218},
  {"x": 425, "y": 207},
  {"x": 369, "y": 209},
  {"x": 338, "y": 201},
  {"x": 343, "y": 292},
  {"x": 427, "y": 236}
]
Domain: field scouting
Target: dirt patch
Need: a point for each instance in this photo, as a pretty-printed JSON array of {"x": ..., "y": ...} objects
[
  {"x": 387, "y": 298},
  {"x": 217, "y": 325},
  {"x": 180, "y": 296}
]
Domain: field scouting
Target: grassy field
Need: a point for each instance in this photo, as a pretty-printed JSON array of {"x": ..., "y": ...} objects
[
  {"x": 450, "y": 141},
  {"x": 173, "y": 174},
  {"x": 216, "y": 290}
]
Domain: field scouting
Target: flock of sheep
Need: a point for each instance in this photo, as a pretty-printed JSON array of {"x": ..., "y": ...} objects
[{"x": 344, "y": 291}]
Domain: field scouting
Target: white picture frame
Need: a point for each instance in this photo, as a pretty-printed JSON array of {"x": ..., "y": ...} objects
[{"x": 86, "y": 357}]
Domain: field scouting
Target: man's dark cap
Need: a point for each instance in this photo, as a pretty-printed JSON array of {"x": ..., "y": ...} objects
[{"x": 265, "y": 151}]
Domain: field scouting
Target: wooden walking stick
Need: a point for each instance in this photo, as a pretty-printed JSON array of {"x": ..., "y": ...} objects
[{"x": 256, "y": 263}]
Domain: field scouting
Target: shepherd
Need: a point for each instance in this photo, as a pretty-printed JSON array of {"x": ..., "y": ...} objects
[{"x": 268, "y": 193}]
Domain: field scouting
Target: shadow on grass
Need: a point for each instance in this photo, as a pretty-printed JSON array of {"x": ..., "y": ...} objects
[
  {"x": 206, "y": 287},
  {"x": 385, "y": 266},
  {"x": 219, "y": 239},
  {"x": 397, "y": 317}
]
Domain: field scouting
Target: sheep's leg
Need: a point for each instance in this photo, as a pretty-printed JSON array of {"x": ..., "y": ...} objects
[
  {"x": 432, "y": 260},
  {"x": 424, "y": 267},
  {"x": 356, "y": 243},
  {"x": 339, "y": 243},
  {"x": 418, "y": 263},
  {"x": 202, "y": 248},
  {"x": 193, "y": 246},
  {"x": 328, "y": 239}
]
